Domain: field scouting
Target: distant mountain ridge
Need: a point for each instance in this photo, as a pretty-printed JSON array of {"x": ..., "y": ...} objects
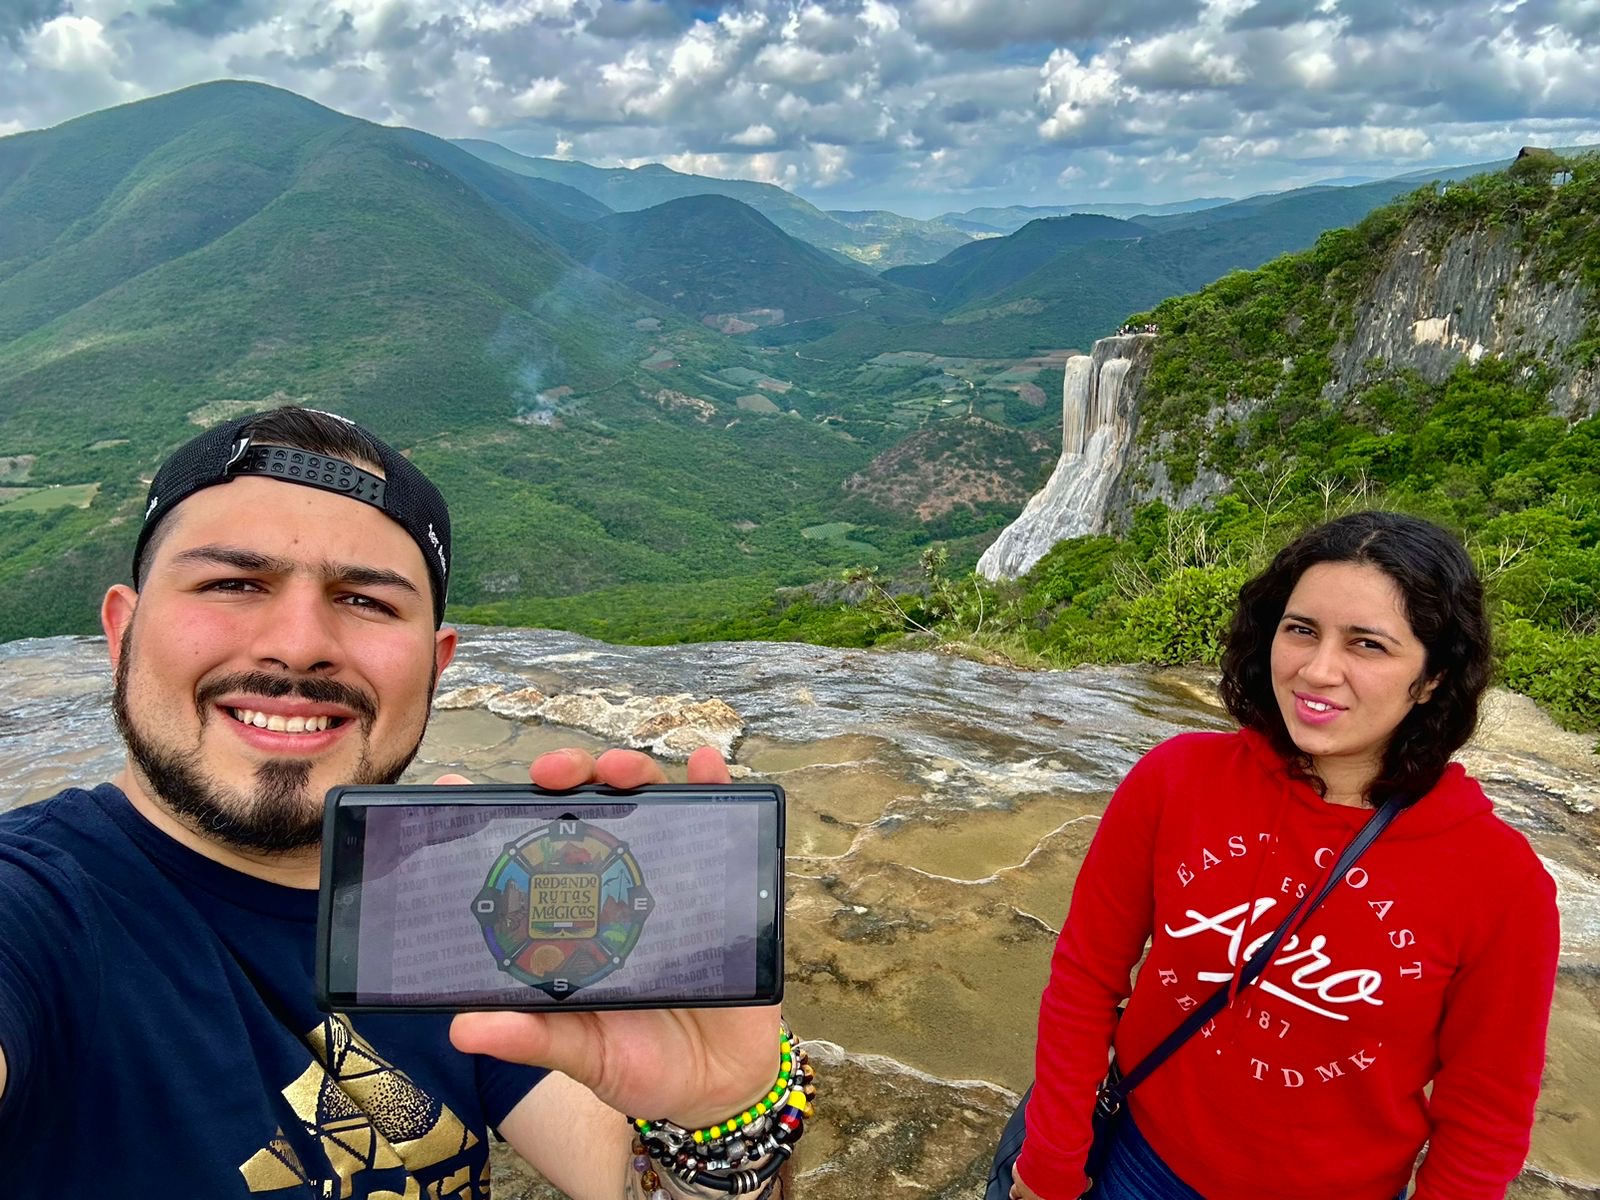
[
  {"x": 872, "y": 239},
  {"x": 1010, "y": 218},
  {"x": 989, "y": 266},
  {"x": 1021, "y": 295},
  {"x": 721, "y": 262}
]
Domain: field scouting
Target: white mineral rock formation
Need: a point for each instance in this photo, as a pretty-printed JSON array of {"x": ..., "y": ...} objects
[
  {"x": 670, "y": 726},
  {"x": 1096, "y": 432}
]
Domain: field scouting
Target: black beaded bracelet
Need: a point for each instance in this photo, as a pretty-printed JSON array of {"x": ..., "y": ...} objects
[
  {"x": 740, "y": 1182},
  {"x": 714, "y": 1158}
]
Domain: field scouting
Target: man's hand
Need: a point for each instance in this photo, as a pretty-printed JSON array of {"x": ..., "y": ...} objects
[{"x": 693, "y": 1066}]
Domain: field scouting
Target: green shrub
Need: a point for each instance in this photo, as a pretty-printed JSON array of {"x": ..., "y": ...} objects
[
  {"x": 1562, "y": 673},
  {"x": 1185, "y": 617}
]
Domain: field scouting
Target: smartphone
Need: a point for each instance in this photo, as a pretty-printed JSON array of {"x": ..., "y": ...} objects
[{"x": 490, "y": 896}]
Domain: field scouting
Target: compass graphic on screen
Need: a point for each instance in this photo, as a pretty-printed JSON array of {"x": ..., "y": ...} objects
[{"x": 563, "y": 906}]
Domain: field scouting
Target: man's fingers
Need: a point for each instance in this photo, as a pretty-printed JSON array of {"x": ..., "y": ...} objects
[
  {"x": 516, "y": 1037},
  {"x": 570, "y": 768},
  {"x": 562, "y": 769},
  {"x": 706, "y": 766},
  {"x": 627, "y": 769},
  {"x": 529, "y": 1038},
  {"x": 451, "y": 780}
]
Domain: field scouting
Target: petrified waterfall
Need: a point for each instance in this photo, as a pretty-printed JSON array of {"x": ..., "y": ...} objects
[{"x": 1096, "y": 432}]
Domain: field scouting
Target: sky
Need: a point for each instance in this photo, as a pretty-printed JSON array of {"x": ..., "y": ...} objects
[{"x": 919, "y": 106}]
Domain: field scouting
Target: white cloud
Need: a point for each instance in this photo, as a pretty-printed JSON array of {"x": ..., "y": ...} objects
[
  {"x": 539, "y": 99},
  {"x": 1181, "y": 60},
  {"x": 879, "y": 18},
  {"x": 714, "y": 165},
  {"x": 771, "y": 168},
  {"x": 71, "y": 43},
  {"x": 794, "y": 64},
  {"x": 1315, "y": 68},
  {"x": 755, "y": 135},
  {"x": 830, "y": 165},
  {"x": 1079, "y": 93},
  {"x": 1001, "y": 100}
]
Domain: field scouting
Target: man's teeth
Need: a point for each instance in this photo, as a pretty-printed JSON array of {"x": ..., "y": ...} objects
[{"x": 281, "y": 724}]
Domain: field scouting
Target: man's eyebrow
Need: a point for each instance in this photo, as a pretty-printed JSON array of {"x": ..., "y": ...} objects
[
  {"x": 359, "y": 576},
  {"x": 1365, "y": 630},
  {"x": 241, "y": 559},
  {"x": 233, "y": 556}
]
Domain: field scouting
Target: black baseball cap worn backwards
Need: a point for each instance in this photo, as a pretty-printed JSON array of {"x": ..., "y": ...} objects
[{"x": 227, "y": 451}]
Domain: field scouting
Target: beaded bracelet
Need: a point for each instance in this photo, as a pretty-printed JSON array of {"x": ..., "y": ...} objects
[
  {"x": 715, "y": 1157},
  {"x": 760, "y": 1108}
]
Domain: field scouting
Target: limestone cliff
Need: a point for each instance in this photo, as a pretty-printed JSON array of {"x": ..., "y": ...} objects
[
  {"x": 1437, "y": 297},
  {"x": 1478, "y": 295}
]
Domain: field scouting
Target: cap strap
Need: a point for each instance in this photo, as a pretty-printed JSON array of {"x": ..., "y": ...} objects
[{"x": 301, "y": 466}]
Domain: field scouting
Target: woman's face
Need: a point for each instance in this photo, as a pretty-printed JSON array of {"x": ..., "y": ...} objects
[{"x": 1346, "y": 669}]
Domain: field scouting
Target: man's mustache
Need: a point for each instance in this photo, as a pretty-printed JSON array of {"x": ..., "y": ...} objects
[{"x": 275, "y": 687}]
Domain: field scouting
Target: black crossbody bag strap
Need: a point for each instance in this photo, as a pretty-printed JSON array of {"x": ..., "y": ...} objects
[{"x": 1117, "y": 1089}]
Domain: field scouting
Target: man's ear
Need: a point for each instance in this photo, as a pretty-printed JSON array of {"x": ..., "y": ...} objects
[
  {"x": 444, "y": 649},
  {"x": 116, "y": 614}
]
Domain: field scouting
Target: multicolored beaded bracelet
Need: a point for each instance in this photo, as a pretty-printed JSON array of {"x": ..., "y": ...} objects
[
  {"x": 692, "y": 1164},
  {"x": 724, "y": 1129},
  {"x": 716, "y": 1157}
]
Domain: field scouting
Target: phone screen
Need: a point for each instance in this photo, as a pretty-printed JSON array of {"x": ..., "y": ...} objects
[{"x": 581, "y": 901}]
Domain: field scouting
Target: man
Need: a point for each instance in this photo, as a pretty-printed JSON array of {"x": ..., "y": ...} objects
[{"x": 157, "y": 1032}]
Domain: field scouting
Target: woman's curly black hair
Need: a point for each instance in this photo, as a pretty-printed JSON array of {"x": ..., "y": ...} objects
[{"x": 1443, "y": 601}]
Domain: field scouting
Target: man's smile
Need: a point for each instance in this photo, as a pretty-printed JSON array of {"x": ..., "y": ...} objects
[
  {"x": 287, "y": 723},
  {"x": 281, "y": 724}
]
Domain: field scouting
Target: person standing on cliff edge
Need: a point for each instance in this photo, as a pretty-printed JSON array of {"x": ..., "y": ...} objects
[
  {"x": 158, "y": 1036},
  {"x": 1354, "y": 665}
]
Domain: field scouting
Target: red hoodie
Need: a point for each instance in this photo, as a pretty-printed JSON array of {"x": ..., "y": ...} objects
[{"x": 1435, "y": 961}]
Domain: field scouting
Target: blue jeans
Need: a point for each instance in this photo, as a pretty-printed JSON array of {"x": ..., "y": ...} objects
[{"x": 1134, "y": 1171}]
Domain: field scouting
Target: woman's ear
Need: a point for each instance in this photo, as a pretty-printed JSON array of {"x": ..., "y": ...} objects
[{"x": 1426, "y": 689}]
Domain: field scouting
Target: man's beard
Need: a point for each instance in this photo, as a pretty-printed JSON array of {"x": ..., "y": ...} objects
[{"x": 279, "y": 814}]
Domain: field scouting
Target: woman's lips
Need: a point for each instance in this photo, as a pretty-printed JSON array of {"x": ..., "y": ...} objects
[{"x": 1321, "y": 715}]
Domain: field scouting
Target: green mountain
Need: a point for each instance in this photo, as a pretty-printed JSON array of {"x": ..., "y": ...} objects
[
  {"x": 1081, "y": 292},
  {"x": 230, "y": 246},
  {"x": 869, "y": 238},
  {"x": 720, "y": 261},
  {"x": 985, "y": 267}
]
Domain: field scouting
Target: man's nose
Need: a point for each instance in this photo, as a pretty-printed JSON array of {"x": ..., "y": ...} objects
[{"x": 298, "y": 630}]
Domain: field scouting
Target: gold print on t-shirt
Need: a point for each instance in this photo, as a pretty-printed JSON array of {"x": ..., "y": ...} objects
[
  {"x": 367, "y": 1115},
  {"x": 276, "y": 1166}
]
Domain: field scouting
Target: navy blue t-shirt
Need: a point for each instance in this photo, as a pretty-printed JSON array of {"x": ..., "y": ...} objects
[{"x": 161, "y": 1040}]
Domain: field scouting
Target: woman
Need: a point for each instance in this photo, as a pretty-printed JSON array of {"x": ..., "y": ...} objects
[{"x": 1354, "y": 665}]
